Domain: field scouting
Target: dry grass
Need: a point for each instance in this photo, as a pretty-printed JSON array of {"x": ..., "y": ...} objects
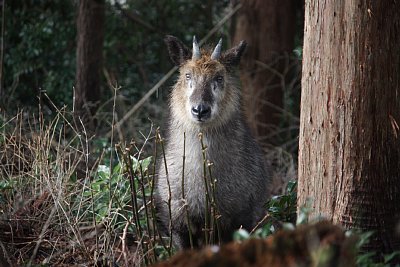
[{"x": 60, "y": 204}]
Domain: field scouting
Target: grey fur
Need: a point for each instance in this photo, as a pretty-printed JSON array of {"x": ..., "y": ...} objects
[{"x": 238, "y": 165}]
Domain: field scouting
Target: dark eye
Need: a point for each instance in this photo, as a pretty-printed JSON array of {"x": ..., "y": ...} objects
[
  {"x": 220, "y": 79},
  {"x": 188, "y": 76}
]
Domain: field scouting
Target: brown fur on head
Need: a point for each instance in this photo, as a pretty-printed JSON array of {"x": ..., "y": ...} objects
[{"x": 206, "y": 93}]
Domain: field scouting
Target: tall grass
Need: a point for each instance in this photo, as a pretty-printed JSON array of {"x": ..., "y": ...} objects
[{"x": 64, "y": 200}]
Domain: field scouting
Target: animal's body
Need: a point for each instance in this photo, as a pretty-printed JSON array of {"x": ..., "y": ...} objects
[{"x": 206, "y": 99}]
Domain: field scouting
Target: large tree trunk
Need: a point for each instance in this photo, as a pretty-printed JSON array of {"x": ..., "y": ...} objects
[
  {"x": 269, "y": 29},
  {"x": 349, "y": 155},
  {"x": 90, "y": 26}
]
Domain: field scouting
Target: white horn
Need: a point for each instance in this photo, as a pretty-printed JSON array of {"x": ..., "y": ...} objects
[
  {"x": 217, "y": 51},
  {"x": 196, "y": 49}
]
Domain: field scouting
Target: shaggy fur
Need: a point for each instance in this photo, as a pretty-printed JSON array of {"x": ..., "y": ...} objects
[{"x": 238, "y": 161}]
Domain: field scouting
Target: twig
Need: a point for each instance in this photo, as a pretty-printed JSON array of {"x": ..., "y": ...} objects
[
  {"x": 220, "y": 23},
  {"x": 135, "y": 18},
  {"x": 169, "y": 193},
  {"x": 207, "y": 214},
  {"x": 144, "y": 98},
  {"x": 133, "y": 194},
  {"x": 107, "y": 240},
  {"x": 5, "y": 254},
  {"x": 275, "y": 222},
  {"x": 43, "y": 232},
  {"x": 71, "y": 244},
  {"x": 153, "y": 209},
  {"x": 215, "y": 211},
  {"x": 183, "y": 191},
  {"x": 123, "y": 239},
  {"x": 146, "y": 212},
  {"x": 62, "y": 115}
]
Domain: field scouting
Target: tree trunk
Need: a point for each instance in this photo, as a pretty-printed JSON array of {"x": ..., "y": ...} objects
[
  {"x": 269, "y": 29},
  {"x": 90, "y": 26},
  {"x": 349, "y": 154}
]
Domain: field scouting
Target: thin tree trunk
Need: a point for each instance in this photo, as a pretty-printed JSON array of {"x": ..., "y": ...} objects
[
  {"x": 349, "y": 154},
  {"x": 269, "y": 29},
  {"x": 90, "y": 26}
]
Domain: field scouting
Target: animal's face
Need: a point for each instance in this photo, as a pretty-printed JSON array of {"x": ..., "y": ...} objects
[
  {"x": 206, "y": 92},
  {"x": 204, "y": 89}
]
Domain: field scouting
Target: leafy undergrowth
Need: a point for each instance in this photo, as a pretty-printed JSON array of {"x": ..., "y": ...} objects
[{"x": 65, "y": 201}]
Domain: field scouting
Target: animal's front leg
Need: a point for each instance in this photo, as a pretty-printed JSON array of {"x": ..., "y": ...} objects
[
  {"x": 185, "y": 239},
  {"x": 180, "y": 238}
]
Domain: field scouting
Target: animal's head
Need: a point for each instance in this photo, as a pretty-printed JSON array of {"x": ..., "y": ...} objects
[{"x": 207, "y": 91}]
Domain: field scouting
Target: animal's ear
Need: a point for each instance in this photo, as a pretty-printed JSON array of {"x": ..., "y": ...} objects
[
  {"x": 231, "y": 57},
  {"x": 178, "y": 52}
]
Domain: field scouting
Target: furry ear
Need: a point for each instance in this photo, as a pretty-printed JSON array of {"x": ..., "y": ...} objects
[
  {"x": 231, "y": 57},
  {"x": 178, "y": 52}
]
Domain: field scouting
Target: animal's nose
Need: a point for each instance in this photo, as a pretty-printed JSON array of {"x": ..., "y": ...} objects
[{"x": 201, "y": 111}]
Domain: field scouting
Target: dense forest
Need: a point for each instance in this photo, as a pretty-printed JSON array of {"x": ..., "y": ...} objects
[{"x": 89, "y": 91}]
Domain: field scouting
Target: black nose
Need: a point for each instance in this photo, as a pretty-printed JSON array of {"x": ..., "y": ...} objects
[{"x": 201, "y": 111}]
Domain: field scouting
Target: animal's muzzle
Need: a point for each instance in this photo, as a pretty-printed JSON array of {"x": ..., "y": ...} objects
[{"x": 201, "y": 112}]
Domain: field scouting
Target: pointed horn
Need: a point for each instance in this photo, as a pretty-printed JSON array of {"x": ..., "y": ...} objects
[
  {"x": 217, "y": 51},
  {"x": 196, "y": 49}
]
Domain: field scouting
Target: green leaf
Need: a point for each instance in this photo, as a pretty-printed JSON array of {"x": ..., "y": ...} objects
[
  {"x": 145, "y": 163},
  {"x": 391, "y": 256},
  {"x": 364, "y": 238},
  {"x": 6, "y": 184},
  {"x": 365, "y": 259},
  {"x": 288, "y": 226},
  {"x": 117, "y": 168},
  {"x": 291, "y": 187},
  {"x": 302, "y": 217},
  {"x": 103, "y": 169},
  {"x": 241, "y": 235}
]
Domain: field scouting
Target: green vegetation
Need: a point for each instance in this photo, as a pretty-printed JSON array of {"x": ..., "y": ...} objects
[
  {"x": 40, "y": 46},
  {"x": 75, "y": 210},
  {"x": 39, "y": 51}
]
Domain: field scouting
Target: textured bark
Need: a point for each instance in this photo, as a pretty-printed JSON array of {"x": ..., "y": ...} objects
[
  {"x": 90, "y": 26},
  {"x": 349, "y": 154},
  {"x": 269, "y": 29}
]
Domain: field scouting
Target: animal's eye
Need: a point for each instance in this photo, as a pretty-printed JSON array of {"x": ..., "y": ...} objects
[
  {"x": 220, "y": 79},
  {"x": 188, "y": 76}
]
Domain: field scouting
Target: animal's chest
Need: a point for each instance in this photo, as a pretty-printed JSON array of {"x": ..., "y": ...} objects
[
  {"x": 193, "y": 169},
  {"x": 199, "y": 160}
]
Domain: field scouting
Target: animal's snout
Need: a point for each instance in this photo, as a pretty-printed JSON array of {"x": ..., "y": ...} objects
[{"x": 201, "y": 112}]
